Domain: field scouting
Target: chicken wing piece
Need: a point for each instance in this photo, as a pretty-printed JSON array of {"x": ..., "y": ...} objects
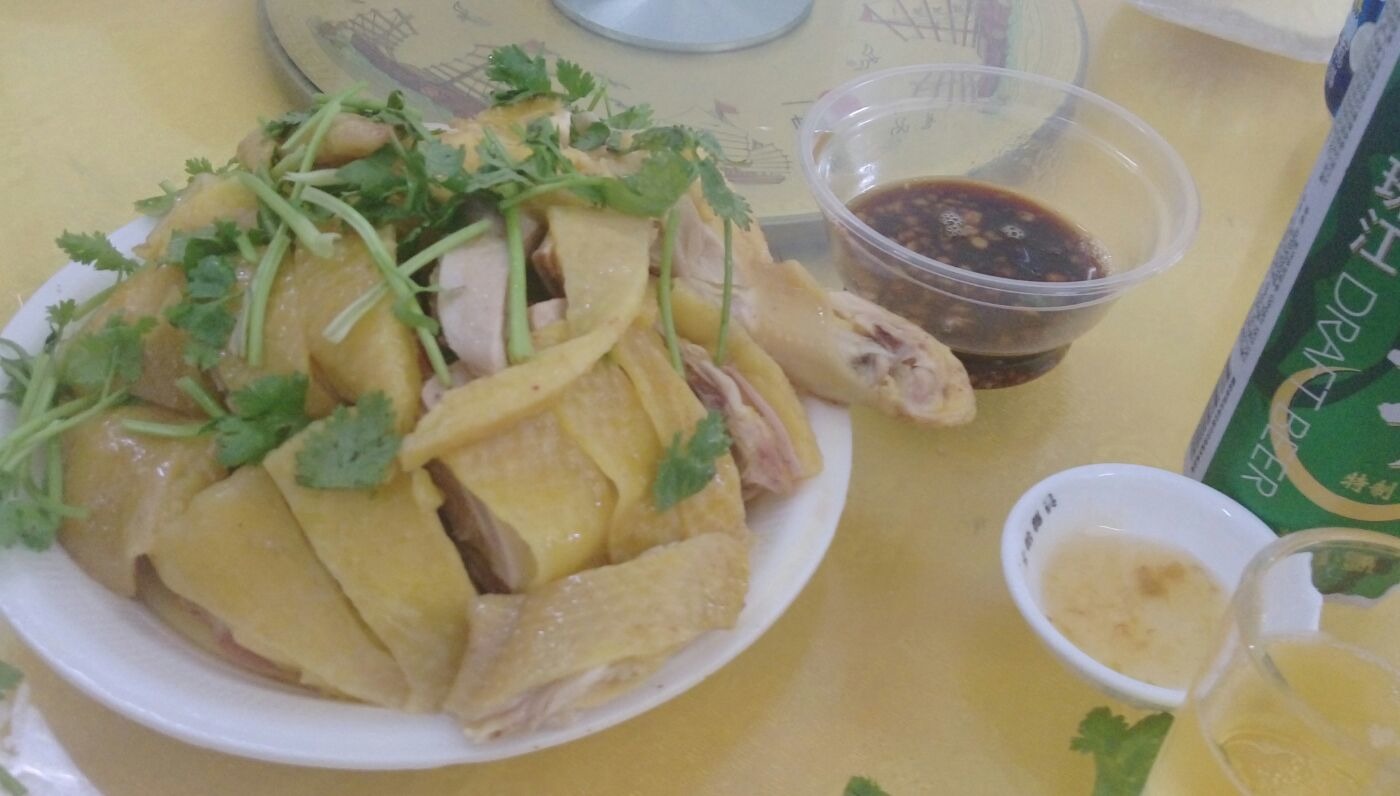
[{"x": 834, "y": 344}]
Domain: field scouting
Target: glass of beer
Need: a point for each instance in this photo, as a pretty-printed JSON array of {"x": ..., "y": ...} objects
[{"x": 1302, "y": 695}]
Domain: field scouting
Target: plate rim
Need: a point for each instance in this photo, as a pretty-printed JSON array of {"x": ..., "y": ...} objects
[{"x": 813, "y": 511}]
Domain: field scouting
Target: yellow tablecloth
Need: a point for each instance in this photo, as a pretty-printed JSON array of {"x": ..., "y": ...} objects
[{"x": 904, "y": 659}]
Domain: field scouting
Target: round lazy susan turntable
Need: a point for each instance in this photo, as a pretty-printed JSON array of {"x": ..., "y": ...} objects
[{"x": 673, "y": 55}]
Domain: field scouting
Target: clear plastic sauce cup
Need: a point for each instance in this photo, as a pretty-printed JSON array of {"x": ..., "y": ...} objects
[{"x": 1077, "y": 154}]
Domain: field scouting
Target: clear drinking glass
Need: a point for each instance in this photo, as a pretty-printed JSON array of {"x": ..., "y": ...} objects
[{"x": 1303, "y": 693}]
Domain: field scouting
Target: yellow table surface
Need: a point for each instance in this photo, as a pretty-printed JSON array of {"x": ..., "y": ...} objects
[{"x": 904, "y": 658}]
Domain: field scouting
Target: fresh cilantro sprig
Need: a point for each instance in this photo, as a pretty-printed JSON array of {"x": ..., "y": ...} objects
[
  {"x": 635, "y": 117},
  {"x": 112, "y": 354},
  {"x": 95, "y": 250},
  {"x": 205, "y": 312},
  {"x": 732, "y": 209},
  {"x": 162, "y": 204},
  {"x": 415, "y": 184},
  {"x": 863, "y": 786},
  {"x": 523, "y": 77},
  {"x": 261, "y": 416},
  {"x": 1123, "y": 755},
  {"x": 686, "y": 469},
  {"x": 520, "y": 75},
  {"x": 66, "y": 383},
  {"x": 576, "y": 82},
  {"x": 677, "y": 156},
  {"x": 404, "y": 289},
  {"x": 282, "y": 126},
  {"x": 18, "y": 367},
  {"x": 264, "y": 415},
  {"x": 291, "y": 219},
  {"x": 340, "y": 327},
  {"x": 353, "y": 448}
]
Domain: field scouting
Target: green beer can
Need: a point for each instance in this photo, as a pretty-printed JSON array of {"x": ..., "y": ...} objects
[{"x": 1303, "y": 427}]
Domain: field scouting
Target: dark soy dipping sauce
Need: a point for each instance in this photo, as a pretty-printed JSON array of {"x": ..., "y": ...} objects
[{"x": 988, "y": 230}]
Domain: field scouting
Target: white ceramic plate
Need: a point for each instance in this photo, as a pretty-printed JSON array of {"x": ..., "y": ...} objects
[{"x": 123, "y": 656}]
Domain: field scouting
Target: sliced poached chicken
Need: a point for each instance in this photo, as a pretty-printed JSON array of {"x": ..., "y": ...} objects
[
  {"x": 471, "y": 299},
  {"x": 533, "y": 659}
]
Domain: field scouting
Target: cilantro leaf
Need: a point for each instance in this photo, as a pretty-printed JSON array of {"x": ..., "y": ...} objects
[
  {"x": 497, "y": 168},
  {"x": 522, "y": 76},
  {"x": 18, "y": 368},
  {"x": 576, "y": 82},
  {"x": 1123, "y": 755},
  {"x": 863, "y": 786},
  {"x": 26, "y": 520},
  {"x": 158, "y": 205},
  {"x": 286, "y": 123},
  {"x": 211, "y": 282},
  {"x": 590, "y": 137},
  {"x": 663, "y": 177},
  {"x": 685, "y": 470},
  {"x": 281, "y": 396},
  {"x": 187, "y": 248},
  {"x": 546, "y": 160},
  {"x": 60, "y": 315},
  {"x": 210, "y": 278},
  {"x": 443, "y": 162},
  {"x": 706, "y": 142},
  {"x": 353, "y": 449},
  {"x": 196, "y": 166},
  {"x": 208, "y": 324},
  {"x": 373, "y": 177},
  {"x": 727, "y": 204},
  {"x": 635, "y": 117},
  {"x": 265, "y": 414},
  {"x": 113, "y": 352},
  {"x": 673, "y": 138},
  {"x": 28, "y": 515},
  {"x": 95, "y": 250}
]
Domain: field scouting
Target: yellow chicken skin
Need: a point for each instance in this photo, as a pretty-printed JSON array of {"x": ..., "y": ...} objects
[
  {"x": 239, "y": 553},
  {"x": 130, "y": 485},
  {"x": 533, "y": 658},
  {"x": 388, "y": 551}
]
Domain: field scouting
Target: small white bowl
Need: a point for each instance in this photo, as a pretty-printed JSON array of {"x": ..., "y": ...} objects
[{"x": 1143, "y": 501}]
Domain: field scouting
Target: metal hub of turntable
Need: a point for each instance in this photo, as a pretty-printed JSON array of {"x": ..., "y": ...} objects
[{"x": 697, "y": 26}]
